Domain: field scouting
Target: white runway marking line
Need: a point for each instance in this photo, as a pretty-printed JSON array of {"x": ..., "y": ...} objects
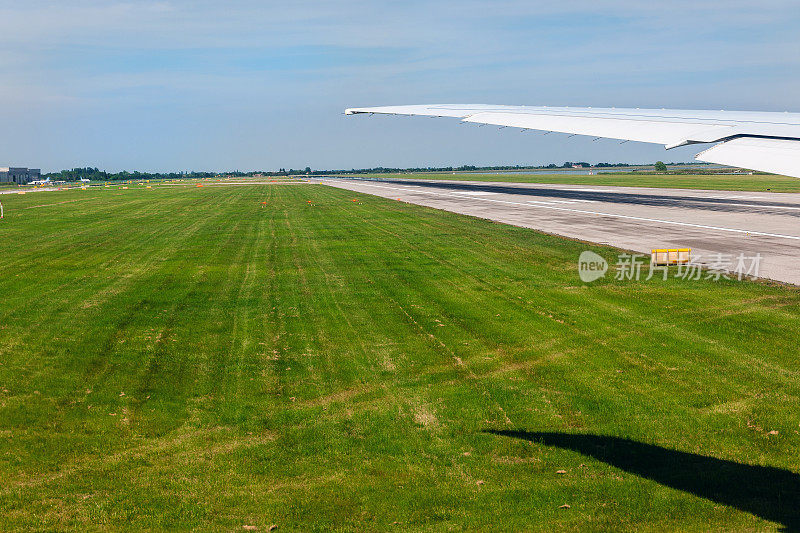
[
  {"x": 588, "y": 190},
  {"x": 566, "y": 201},
  {"x": 747, "y": 198},
  {"x": 751, "y": 205},
  {"x": 627, "y": 217},
  {"x": 542, "y": 202},
  {"x": 477, "y": 193},
  {"x": 486, "y": 193},
  {"x": 768, "y": 206},
  {"x": 551, "y": 202}
]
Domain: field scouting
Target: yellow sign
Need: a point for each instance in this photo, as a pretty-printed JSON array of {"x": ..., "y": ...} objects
[{"x": 670, "y": 256}]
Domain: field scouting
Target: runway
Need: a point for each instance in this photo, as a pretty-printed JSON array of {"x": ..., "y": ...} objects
[
  {"x": 26, "y": 191},
  {"x": 637, "y": 219}
]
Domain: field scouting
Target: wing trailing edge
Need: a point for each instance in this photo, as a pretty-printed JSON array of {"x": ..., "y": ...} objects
[{"x": 768, "y": 155}]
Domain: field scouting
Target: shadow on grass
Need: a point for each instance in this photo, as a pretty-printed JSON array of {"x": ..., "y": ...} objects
[{"x": 770, "y": 493}]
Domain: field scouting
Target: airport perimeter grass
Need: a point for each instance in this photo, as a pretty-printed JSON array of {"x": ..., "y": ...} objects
[
  {"x": 717, "y": 182},
  {"x": 183, "y": 357}
]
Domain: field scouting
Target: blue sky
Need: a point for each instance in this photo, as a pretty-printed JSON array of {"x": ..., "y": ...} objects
[{"x": 242, "y": 84}]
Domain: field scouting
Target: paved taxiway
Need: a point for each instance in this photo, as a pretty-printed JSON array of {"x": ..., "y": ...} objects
[{"x": 638, "y": 219}]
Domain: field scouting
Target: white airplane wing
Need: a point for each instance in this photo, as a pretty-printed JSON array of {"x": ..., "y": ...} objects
[{"x": 765, "y": 141}]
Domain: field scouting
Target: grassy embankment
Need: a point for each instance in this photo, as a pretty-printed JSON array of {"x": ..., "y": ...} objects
[{"x": 190, "y": 357}]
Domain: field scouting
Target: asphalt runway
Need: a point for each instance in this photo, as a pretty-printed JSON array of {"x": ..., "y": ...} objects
[{"x": 719, "y": 226}]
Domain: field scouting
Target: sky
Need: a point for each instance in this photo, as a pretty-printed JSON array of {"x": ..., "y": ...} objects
[{"x": 257, "y": 85}]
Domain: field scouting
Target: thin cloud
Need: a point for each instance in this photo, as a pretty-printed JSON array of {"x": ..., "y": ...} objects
[{"x": 279, "y": 73}]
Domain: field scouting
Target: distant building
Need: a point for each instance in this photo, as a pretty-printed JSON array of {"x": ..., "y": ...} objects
[{"x": 19, "y": 175}]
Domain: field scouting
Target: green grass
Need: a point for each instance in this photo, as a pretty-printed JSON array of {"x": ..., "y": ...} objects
[
  {"x": 718, "y": 182},
  {"x": 186, "y": 357}
]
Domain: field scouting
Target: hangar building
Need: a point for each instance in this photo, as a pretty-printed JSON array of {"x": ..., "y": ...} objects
[{"x": 18, "y": 174}]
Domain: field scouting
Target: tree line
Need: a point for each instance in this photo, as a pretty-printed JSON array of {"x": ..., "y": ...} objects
[{"x": 95, "y": 174}]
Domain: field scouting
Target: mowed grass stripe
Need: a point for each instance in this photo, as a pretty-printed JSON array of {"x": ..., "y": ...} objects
[{"x": 191, "y": 358}]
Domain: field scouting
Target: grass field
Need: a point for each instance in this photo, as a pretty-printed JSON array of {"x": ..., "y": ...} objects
[
  {"x": 186, "y": 357},
  {"x": 724, "y": 182}
]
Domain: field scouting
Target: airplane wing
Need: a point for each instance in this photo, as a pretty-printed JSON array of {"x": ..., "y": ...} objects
[{"x": 765, "y": 141}]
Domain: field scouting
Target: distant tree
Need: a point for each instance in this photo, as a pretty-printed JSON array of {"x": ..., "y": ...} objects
[{"x": 660, "y": 166}]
